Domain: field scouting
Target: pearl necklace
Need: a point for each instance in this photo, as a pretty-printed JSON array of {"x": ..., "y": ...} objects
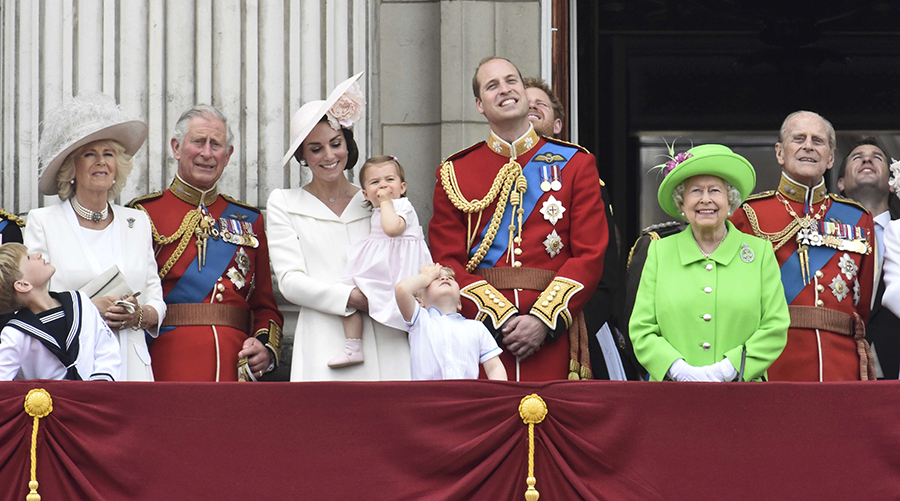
[
  {"x": 88, "y": 214},
  {"x": 714, "y": 250}
]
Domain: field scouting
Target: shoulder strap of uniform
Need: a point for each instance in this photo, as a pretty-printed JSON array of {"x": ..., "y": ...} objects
[
  {"x": 655, "y": 232},
  {"x": 12, "y": 218},
  {"x": 145, "y": 198},
  {"x": 761, "y": 195},
  {"x": 239, "y": 203},
  {"x": 849, "y": 201},
  {"x": 566, "y": 143},
  {"x": 463, "y": 152}
]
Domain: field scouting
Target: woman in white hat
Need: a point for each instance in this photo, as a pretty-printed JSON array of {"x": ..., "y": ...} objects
[
  {"x": 86, "y": 149},
  {"x": 310, "y": 229}
]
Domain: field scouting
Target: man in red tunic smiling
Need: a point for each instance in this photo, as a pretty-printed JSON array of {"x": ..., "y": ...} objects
[{"x": 516, "y": 218}]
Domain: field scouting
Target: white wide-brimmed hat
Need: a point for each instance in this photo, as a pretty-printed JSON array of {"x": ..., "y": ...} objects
[
  {"x": 340, "y": 114},
  {"x": 88, "y": 117}
]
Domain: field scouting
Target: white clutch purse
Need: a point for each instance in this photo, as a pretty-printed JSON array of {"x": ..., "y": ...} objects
[{"x": 109, "y": 283}]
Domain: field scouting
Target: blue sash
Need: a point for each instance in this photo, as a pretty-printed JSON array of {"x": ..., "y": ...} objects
[
  {"x": 195, "y": 285},
  {"x": 532, "y": 172},
  {"x": 3, "y": 224},
  {"x": 818, "y": 256}
]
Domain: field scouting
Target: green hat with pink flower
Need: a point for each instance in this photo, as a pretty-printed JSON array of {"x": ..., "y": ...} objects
[{"x": 707, "y": 159}]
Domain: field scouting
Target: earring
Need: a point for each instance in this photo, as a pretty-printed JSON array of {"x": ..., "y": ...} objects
[
  {"x": 303, "y": 163},
  {"x": 729, "y": 213},
  {"x": 72, "y": 181},
  {"x": 682, "y": 213}
]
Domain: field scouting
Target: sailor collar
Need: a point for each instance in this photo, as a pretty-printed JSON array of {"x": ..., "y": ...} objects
[
  {"x": 796, "y": 192},
  {"x": 518, "y": 147},
  {"x": 194, "y": 196}
]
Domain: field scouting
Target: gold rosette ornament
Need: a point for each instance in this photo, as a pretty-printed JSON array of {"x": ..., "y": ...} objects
[
  {"x": 38, "y": 404},
  {"x": 532, "y": 410}
]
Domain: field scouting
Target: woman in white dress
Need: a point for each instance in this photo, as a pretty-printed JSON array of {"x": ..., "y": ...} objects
[
  {"x": 86, "y": 149},
  {"x": 310, "y": 230}
]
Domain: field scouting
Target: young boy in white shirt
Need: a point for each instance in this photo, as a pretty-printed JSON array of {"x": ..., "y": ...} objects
[
  {"x": 443, "y": 344},
  {"x": 53, "y": 335}
]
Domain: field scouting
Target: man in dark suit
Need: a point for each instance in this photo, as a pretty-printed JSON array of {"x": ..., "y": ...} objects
[{"x": 863, "y": 176}]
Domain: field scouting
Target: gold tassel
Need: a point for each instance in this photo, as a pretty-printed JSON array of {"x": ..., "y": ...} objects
[
  {"x": 532, "y": 410},
  {"x": 38, "y": 404}
]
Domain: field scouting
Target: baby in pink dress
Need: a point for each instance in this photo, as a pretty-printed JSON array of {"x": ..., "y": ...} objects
[{"x": 394, "y": 249}]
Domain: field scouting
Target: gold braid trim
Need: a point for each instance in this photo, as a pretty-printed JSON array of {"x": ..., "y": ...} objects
[
  {"x": 185, "y": 232},
  {"x": 778, "y": 239},
  {"x": 502, "y": 185}
]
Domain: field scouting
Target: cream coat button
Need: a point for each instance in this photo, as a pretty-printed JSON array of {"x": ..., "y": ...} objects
[
  {"x": 518, "y": 251},
  {"x": 502, "y": 304},
  {"x": 495, "y": 300},
  {"x": 219, "y": 298},
  {"x": 819, "y": 274},
  {"x": 820, "y": 303},
  {"x": 545, "y": 303},
  {"x": 707, "y": 317},
  {"x": 517, "y": 264},
  {"x": 707, "y": 289},
  {"x": 709, "y": 267},
  {"x": 706, "y": 346},
  {"x": 220, "y": 287}
]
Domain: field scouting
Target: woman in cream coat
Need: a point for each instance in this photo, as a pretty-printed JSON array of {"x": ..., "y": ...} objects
[
  {"x": 86, "y": 151},
  {"x": 309, "y": 231}
]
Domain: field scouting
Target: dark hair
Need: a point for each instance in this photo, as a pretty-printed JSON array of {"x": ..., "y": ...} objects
[
  {"x": 557, "y": 105},
  {"x": 864, "y": 141},
  {"x": 476, "y": 84},
  {"x": 352, "y": 148}
]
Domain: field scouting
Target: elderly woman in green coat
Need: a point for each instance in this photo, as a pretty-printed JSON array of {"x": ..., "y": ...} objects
[{"x": 710, "y": 305}]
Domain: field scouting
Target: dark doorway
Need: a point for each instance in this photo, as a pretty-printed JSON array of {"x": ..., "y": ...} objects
[{"x": 729, "y": 68}]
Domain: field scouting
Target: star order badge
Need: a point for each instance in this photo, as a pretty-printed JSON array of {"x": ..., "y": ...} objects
[
  {"x": 747, "y": 254},
  {"x": 839, "y": 288},
  {"x": 553, "y": 210},
  {"x": 553, "y": 244},
  {"x": 848, "y": 266},
  {"x": 243, "y": 261},
  {"x": 236, "y": 278}
]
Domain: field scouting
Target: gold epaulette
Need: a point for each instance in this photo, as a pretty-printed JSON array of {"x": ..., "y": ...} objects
[
  {"x": 761, "y": 195},
  {"x": 462, "y": 152},
  {"x": 145, "y": 198},
  {"x": 12, "y": 218},
  {"x": 491, "y": 302},
  {"x": 839, "y": 198},
  {"x": 553, "y": 304},
  {"x": 566, "y": 143},
  {"x": 271, "y": 338},
  {"x": 239, "y": 203}
]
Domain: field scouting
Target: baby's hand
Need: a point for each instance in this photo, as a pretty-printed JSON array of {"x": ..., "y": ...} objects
[
  {"x": 385, "y": 193},
  {"x": 432, "y": 271}
]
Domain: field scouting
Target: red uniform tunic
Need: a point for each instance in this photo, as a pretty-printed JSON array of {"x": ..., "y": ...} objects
[
  {"x": 842, "y": 282},
  {"x": 575, "y": 266},
  {"x": 210, "y": 352}
]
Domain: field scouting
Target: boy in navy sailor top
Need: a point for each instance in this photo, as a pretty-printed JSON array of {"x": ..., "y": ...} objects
[
  {"x": 443, "y": 344},
  {"x": 53, "y": 335}
]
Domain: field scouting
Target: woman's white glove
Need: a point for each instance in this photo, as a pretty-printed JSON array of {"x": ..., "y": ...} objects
[{"x": 720, "y": 371}]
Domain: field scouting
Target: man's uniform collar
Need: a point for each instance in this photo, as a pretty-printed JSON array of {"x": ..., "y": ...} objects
[
  {"x": 194, "y": 196},
  {"x": 800, "y": 193},
  {"x": 518, "y": 147}
]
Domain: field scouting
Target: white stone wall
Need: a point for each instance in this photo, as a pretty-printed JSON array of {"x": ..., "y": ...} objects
[{"x": 256, "y": 60}]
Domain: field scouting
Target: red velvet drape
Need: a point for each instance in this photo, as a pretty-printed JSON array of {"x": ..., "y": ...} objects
[{"x": 454, "y": 440}]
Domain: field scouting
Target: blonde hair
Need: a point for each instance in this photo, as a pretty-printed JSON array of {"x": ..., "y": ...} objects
[
  {"x": 450, "y": 273},
  {"x": 11, "y": 255},
  {"x": 66, "y": 173}
]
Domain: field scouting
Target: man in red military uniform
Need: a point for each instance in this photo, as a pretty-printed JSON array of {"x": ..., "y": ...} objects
[
  {"x": 823, "y": 244},
  {"x": 222, "y": 323},
  {"x": 517, "y": 219}
]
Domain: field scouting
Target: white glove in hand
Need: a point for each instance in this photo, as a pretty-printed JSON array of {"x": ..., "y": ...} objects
[
  {"x": 682, "y": 371},
  {"x": 726, "y": 370}
]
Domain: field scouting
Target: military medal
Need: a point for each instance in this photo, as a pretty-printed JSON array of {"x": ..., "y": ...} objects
[
  {"x": 236, "y": 278},
  {"x": 545, "y": 178},
  {"x": 839, "y": 288},
  {"x": 553, "y": 244},
  {"x": 553, "y": 210},
  {"x": 130, "y": 222},
  {"x": 243, "y": 261},
  {"x": 555, "y": 184},
  {"x": 848, "y": 266}
]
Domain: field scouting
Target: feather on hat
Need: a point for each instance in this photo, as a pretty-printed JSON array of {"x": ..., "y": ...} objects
[{"x": 88, "y": 117}]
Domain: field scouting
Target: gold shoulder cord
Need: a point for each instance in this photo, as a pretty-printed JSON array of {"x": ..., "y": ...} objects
[
  {"x": 503, "y": 185},
  {"x": 780, "y": 238},
  {"x": 185, "y": 232}
]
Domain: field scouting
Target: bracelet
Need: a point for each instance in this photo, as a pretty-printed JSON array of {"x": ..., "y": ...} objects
[{"x": 137, "y": 326}]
